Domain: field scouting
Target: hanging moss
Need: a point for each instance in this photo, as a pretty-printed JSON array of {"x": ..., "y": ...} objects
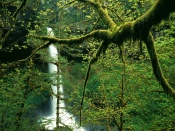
[{"x": 122, "y": 33}]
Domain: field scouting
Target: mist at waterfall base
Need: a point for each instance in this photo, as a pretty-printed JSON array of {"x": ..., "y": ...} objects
[{"x": 65, "y": 118}]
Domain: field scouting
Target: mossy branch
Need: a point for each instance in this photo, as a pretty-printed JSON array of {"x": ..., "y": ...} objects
[
  {"x": 140, "y": 30},
  {"x": 14, "y": 63},
  {"x": 103, "y": 13},
  {"x": 114, "y": 13},
  {"x": 99, "y": 34},
  {"x": 137, "y": 30},
  {"x": 35, "y": 51},
  {"x": 159, "y": 11},
  {"x": 156, "y": 67}
]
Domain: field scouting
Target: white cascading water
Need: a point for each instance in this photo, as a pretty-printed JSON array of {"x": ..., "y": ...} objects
[{"x": 65, "y": 118}]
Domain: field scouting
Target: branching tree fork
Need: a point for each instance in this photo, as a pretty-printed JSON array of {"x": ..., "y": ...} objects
[{"x": 117, "y": 34}]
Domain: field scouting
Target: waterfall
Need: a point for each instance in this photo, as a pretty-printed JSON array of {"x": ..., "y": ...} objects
[
  {"x": 65, "y": 118},
  {"x": 52, "y": 68}
]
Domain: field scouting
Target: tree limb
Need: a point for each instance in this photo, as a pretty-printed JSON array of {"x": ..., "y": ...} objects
[
  {"x": 137, "y": 30},
  {"x": 46, "y": 44},
  {"x": 99, "y": 34},
  {"x": 140, "y": 29},
  {"x": 159, "y": 11},
  {"x": 156, "y": 67},
  {"x": 103, "y": 13}
]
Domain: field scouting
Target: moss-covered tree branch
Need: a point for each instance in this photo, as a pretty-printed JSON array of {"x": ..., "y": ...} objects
[
  {"x": 103, "y": 13},
  {"x": 159, "y": 11},
  {"x": 136, "y": 30},
  {"x": 98, "y": 34},
  {"x": 156, "y": 67}
]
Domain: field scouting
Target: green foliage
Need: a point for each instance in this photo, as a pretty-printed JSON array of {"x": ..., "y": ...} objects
[
  {"x": 13, "y": 96},
  {"x": 144, "y": 103},
  {"x": 123, "y": 95}
]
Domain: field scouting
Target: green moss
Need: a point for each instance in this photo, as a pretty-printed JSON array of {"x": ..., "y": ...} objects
[
  {"x": 140, "y": 30},
  {"x": 156, "y": 67},
  {"x": 159, "y": 11},
  {"x": 122, "y": 33}
]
